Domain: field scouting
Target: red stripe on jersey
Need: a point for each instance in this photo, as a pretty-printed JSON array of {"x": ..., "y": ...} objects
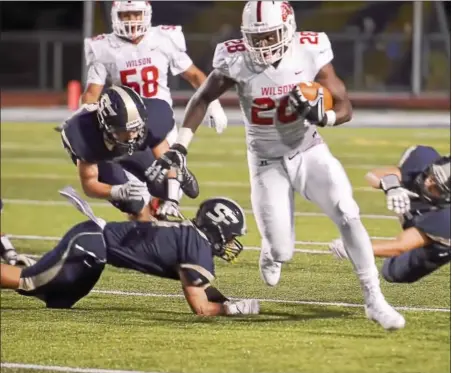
[{"x": 259, "y": 11}]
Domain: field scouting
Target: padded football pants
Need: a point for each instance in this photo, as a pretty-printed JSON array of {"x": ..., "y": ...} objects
[
  {"x": 67, "y": 273},
  {"x": 415, "y": 264}
]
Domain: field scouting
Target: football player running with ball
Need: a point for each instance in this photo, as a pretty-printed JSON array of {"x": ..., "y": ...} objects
[{"x": 285, "y": 152}]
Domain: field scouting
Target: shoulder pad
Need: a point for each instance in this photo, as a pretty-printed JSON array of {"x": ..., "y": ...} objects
[
  {"x": 436, "y": 225},
  {"x": 175, "y": 35},
  {"x": 318, "y": 45},
  {"x": 96, "y": 47},
  {"x": 227, "y": 56},
  {"x": 420, "y": 154}
]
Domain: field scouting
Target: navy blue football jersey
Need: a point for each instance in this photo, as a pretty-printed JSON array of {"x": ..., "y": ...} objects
[
  {"x": 84, "y": 139},
  {"x": 160, "y": 249},
  {"x": 435, "y": 224}
]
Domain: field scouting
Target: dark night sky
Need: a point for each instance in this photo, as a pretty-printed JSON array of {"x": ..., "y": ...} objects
[
  {"x": 68, "y": 15},
  {"x": 42, "y": 15}
]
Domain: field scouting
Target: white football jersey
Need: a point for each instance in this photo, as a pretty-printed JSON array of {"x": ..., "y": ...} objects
[
  {"x": 273, "y": 129},
  {"x": 144, "y": 66}
]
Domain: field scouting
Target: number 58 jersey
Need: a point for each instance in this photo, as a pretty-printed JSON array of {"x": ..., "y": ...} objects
[
  {"x": 273, "y": 128},
  {"x": 143, "y": 66}
]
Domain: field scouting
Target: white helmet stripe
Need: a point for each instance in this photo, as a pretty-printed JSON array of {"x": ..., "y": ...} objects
[{"x": 133, "y": 116}]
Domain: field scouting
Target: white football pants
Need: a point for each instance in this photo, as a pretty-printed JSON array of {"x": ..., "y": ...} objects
[{"x": 317, "y": 175}]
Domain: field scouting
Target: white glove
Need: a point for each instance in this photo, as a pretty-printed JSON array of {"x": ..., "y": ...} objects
[
  {"x": 25, "y": 260},
  {"x": 130, "y": 191},
  {"x": 8, "y": 252},
  {"x": 242, "y": 307},
  {"x": 169, "y": 208},
  {"x": 217, "y": 117},
  {"x": 10, "y": 257},
  {"x": 398, "y": 200},
  {"x": 337, "y": 248}
]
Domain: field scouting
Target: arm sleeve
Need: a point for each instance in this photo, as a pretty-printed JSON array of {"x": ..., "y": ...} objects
[{"x": 197, "y": 275}]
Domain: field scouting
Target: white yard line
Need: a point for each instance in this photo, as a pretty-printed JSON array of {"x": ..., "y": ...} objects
[
  {"x": 254, "y": 248},
  {"x": 184, "y": 208},
  {"x": 267, "y": 300},
  {"x": 221, "y": 184},
  {"x": 66, "y": 369},
  {"x": 193, "y": 164},
  {"x": 270, "y": 300}
]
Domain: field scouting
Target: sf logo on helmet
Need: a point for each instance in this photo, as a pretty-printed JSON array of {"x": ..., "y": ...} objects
[
  {"x": 224, "y": 215},
  {"x": 106, "y": 107}
]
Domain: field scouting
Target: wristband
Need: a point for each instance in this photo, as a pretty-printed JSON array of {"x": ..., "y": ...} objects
[
  {"x": 184, "y": 137},
  {"x": 389, "y": 182},
  {"x": 330, "y": 118},
  {"x": 173, "y": 189}
]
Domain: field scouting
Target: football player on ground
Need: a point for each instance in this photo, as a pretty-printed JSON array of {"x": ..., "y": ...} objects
[
  {"x": 139, "y": 56},
  {"x": 182, "y": 251},
  {"x": 114, "y": 141},
  {"x": 286, "y": 154},
  {"x": 418, "y": 189}
]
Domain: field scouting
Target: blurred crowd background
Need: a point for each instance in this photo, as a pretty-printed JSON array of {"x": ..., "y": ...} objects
[{"x": 42, "y": 42}]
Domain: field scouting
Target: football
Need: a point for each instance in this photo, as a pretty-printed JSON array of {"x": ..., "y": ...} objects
[{"x": 309, "y": 90}]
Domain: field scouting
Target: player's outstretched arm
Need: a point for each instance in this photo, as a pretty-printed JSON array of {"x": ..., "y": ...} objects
[
  {"x": 342, "y": 106},
  {"x": 373, "y": 177},
  {"x": 212, "y": 88},
  {"x": 89, "y": 174},
  {"x": 197, "y": 298},
  {"x": 409, "y": 239},
  {"x": 9, "y": 276},
  {"x": 92, "y": 93},
  {"x": 208, "y": 301}
]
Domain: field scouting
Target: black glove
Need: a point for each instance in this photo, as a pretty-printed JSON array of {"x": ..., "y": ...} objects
[
  {"x": 175, "y": 157},
  {"x": 314, "y": 110}
]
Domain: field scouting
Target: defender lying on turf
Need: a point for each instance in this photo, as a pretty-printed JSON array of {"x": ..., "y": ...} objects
[
  {"x": 419, "y": 191},
  {"x": 175, "y": 250}
]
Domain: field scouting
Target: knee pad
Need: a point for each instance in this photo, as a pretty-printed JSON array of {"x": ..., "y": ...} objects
[{"x": 347, "y": 211}]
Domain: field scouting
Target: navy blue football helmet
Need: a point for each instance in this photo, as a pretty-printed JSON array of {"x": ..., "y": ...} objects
[
  {"x": 222, "y": 220},
  {"x": 439, "y": 172},
  {"x": 121, "y": 110}
]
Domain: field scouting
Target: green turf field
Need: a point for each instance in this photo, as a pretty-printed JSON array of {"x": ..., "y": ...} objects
[{"x": 135, "y": 322}]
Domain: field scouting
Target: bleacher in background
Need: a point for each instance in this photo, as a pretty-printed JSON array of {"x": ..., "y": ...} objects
[{"x": 372, "y": 40}]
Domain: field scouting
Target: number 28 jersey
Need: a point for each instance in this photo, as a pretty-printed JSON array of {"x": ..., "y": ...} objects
[
  {"x": 143, "y": 66},
  {"x": 273, "y": 128}
]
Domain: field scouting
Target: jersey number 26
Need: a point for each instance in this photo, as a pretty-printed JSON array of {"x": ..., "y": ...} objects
[{"x": 149, "y": 78}]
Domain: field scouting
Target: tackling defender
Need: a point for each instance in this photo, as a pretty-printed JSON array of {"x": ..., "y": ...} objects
[
  {"x": 418, "y": 189},
  {"x": 113, "y": 143},
  {"x": 178, "y": 250},
  {"x": 139, "y": 56},
  {"x": 286, "y": 154}
]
